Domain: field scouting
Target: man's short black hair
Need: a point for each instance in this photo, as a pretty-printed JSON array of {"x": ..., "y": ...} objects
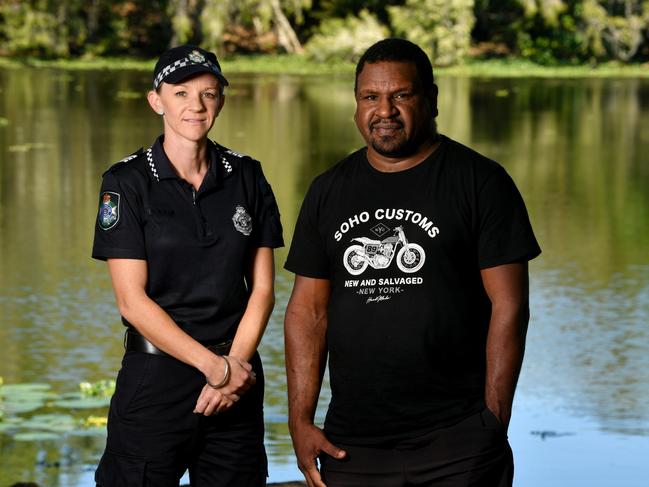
[{"x": 399, "y": 50}]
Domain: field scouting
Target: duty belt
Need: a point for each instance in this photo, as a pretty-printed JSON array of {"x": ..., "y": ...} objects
[{"x": 135, "y": 342}]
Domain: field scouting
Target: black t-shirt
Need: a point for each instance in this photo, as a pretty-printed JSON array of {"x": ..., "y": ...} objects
[
  {"x": 408, "y": 314},
  {"x": 195, "y": 242}
]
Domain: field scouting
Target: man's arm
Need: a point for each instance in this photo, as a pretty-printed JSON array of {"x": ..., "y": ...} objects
[
  {"x": 305, "y": 328},
  {"x": 508, "y": 290}
]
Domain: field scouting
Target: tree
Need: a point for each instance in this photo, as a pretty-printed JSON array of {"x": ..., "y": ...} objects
[
  {"x": 441, "y": 27},
  {"x": 224, "y": 20},
  {"x": 615, "y": 28},
  {"x": 345, "y": 39}
]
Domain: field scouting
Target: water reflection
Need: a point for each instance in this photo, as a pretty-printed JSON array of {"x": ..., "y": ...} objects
[{"x": 576, "y": 149}]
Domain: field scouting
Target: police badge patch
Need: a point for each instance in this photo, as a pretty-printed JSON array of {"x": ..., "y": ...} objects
[
  {"x": 242, "y": 221},
  {"x": 108, "y": 210},
  {"x": 196, "y": 57}
]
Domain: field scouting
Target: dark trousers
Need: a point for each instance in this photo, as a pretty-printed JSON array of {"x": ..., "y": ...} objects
[
  {"x": 153, "y": 436},
  {"x": 472, "y": 453}
]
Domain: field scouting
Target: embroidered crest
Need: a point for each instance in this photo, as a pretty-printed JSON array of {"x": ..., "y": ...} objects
[
  {"x": 108, "y": 210},
  {"x": 242, "y": 221},
  {"x": 196, "y": 57}
]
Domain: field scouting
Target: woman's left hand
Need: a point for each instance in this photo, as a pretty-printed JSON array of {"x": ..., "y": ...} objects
[{"x": 212, "y": 401}]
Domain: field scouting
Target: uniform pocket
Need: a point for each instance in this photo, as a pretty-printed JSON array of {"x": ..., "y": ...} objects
[
  {"x": 130, "y": 379},
  {"x": 120, "y": 470}
]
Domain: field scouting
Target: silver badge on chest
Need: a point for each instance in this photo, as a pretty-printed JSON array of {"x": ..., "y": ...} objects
[{"x": 242, "y": 221}]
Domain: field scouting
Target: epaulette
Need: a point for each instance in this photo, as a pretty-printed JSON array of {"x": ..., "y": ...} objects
[
  {"x": 122, "y": 162},
  {"x": 224, "y": 151}
]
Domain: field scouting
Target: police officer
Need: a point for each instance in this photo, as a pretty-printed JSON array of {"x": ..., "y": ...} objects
[{"x": 188, "y": 228}]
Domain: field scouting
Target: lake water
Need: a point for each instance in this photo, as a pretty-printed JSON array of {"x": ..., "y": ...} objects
[{"x": 575, "y": 147}]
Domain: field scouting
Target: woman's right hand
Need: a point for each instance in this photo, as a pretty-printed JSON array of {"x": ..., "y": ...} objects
[{"x": 212, "y": 400}]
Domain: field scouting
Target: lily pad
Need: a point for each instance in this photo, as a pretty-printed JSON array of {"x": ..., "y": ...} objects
[
  {"x": 93, "y": 431},
  {"x": 36, "y": 436},
  {"x": 18, "y": 407},
  {"x": 83, "y": 403},
  {"x": 8, "y": 389},
  {"x": 7, "y": 428},
  {"x": 60, "y": 423}
]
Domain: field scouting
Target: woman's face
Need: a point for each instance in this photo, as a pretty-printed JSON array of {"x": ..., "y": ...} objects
[{"x": 190, "y": 107}]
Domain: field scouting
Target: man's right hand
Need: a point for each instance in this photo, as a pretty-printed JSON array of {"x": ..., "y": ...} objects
[{"x": 309, "y": 442}]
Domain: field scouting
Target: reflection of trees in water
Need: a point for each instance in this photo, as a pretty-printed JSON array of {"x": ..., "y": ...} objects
[{"x": 576, "y": 150}]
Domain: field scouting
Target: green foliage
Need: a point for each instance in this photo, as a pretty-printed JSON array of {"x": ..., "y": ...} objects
[
  {"x": 610, "y": 32},
  {"x": 342, "y": 8},
  {"x": 20, "y": 403},
  {"x": 345, "y": 39},
  {"x": 441, "y": 27},
  {"x": 543, "y": 31},
  {"x": 31, "y": 28},
  {"x": 102, "y": 388}
]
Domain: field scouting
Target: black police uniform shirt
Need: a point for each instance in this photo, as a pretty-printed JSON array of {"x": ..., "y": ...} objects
[
  {"x": 195, "y": 242},
  {"x": 408, "y": 314}
]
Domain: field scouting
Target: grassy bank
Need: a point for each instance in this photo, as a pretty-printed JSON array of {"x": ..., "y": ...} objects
[{"x": 298, "y": 65}]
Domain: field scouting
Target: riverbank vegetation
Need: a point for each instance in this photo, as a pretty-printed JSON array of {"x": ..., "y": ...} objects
[
  {"x": 331, "y": 32},
  {"x": 296, "y": 64}
]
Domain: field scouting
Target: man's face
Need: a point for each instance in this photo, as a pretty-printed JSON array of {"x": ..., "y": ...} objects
[{"x": 393, "y": 114}]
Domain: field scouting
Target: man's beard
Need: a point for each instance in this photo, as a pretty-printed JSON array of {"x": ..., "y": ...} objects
[{"x": 394, "y": 147}]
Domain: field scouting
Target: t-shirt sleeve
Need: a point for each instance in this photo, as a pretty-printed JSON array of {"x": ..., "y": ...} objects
[
  {"x": 307, "y": 255},
  {"x": 505, "y": 233},
  {"x": 118, "y": 226},
  {"x": 267, "y": 224}
]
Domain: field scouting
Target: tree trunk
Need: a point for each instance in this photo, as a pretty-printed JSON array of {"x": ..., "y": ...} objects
[{"x": 286, "y": 36}]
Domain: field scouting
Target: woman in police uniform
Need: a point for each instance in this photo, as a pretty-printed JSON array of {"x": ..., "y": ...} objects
[{"x": 188, "y": 229}]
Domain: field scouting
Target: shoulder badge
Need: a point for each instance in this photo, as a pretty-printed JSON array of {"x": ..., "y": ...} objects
[
  {"x": 242, "y": 221},
  {"x": 108, "y": 210},
  {"x": 121, "y": 162},
  {"x": 132, "y": 156},
  {"x": 235, "y": 153}
]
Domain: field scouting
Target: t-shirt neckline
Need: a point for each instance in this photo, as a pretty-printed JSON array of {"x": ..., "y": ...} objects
[{"x": 367, "y": 166}]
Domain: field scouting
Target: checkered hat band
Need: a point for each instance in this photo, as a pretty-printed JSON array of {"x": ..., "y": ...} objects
[{"x": 181, "y": 63}]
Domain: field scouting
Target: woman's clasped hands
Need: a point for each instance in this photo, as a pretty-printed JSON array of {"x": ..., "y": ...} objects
[{"x": 228, "y": 379}]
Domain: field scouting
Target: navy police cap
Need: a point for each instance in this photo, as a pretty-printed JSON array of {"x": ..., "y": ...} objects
[{"x": 180, "y": 62}]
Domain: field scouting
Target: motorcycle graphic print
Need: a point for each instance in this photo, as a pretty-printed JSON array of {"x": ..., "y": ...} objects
[{"x": 379, "y": 254}]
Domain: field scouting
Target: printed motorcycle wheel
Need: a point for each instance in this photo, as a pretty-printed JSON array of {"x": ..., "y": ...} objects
[
  {"x": 354, "y": 261},
  {"x": 411, "y": 258}
]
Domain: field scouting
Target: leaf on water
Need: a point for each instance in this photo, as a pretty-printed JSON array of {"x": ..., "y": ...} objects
[
  {"x": 83, "y": 403},
  {"x": 94, "y": 431},
  {"x": 36, "y": 436},
  {"x": 8, "y": 389},
  {"x": 4, "y": 122},
  {"x": 22, "y": 406},
  {"x": 51, "y": 422},
  {"x": 7, "y": 427},
  {"x": 103, "y": 388},
  {"x": 95, "y": 421}
]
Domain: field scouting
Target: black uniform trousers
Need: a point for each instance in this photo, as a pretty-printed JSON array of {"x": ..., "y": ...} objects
[
  {"x": 153, "y": 435},
  {"x": 472, "y": 453}
]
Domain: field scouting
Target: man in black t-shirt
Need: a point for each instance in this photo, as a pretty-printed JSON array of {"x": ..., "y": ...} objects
[{"x": 410, "y": 258}]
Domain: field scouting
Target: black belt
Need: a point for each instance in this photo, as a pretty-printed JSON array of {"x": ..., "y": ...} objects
[{"x": 135, "y": 342}]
